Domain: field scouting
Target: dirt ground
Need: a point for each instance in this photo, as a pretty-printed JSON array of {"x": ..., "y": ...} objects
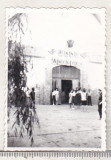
[{"x": 61, "y": 126}]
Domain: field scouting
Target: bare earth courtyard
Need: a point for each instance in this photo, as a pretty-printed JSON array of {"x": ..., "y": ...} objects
[{"x": 61, "y": 126}]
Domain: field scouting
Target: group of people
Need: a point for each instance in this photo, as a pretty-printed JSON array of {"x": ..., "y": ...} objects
[{"x": 78, "y": 97}]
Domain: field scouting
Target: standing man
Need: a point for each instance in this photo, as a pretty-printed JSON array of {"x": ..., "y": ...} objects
[
  {"x": 32, "y": 96},
  {"x": 57, "y": 96},
  {"x": 53, "y": 98},
  {"x": 100, "y": 104}
]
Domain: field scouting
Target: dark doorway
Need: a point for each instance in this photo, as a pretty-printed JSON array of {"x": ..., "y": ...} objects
[
  {"x": 66, "y": 88},
  {"x": 65, "y": 78}
]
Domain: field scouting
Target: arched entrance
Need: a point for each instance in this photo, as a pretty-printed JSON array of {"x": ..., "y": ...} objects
[{"x": 65, "y": 78}]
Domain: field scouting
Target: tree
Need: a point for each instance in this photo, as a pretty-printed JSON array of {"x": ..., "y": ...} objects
[{"x": 17, "y": 80}]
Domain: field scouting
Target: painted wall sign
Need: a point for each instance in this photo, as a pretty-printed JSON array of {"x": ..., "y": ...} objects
[
  {"x": 59, "y": 61},
  {"x": 62, "y": 53}
]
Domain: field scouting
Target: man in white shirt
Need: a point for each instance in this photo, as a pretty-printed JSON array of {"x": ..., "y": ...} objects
[
  {"x": 57, "y": 96},
  {"x": 53, "y": 98}
]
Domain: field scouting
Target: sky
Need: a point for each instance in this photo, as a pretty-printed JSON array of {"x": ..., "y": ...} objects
[{"x": 51, "y": 28}]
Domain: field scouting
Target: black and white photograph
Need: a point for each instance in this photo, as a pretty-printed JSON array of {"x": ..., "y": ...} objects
[{"x": 55, "y": 78}]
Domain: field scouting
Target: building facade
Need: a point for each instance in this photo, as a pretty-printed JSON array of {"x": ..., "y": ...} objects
[{"x": 65, "y": 70}]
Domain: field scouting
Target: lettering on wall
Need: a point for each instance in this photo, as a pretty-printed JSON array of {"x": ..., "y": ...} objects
[
  {"x": 62, "y": 53},
  {"x": 56, "y": 61}
]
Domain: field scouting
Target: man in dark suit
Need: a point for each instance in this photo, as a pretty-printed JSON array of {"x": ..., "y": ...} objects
[
  {"x": 32, "y": 96},
  {"x": 100, "y": 103}
]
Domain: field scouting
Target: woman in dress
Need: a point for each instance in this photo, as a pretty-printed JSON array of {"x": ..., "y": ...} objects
[
  {"x": 89, "y": 101},
  {"x": 73, "y": 98},
  {"x": 70, "y": 97},
  {"x": 84, "y": 97},
  {"x": 78, "y": 96}
]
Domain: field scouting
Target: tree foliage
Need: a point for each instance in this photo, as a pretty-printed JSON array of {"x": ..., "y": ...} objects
[{"x": 25, "y": 113}]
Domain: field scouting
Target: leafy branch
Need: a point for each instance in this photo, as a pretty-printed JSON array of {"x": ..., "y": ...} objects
[{"x": 25, "y": 114}]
